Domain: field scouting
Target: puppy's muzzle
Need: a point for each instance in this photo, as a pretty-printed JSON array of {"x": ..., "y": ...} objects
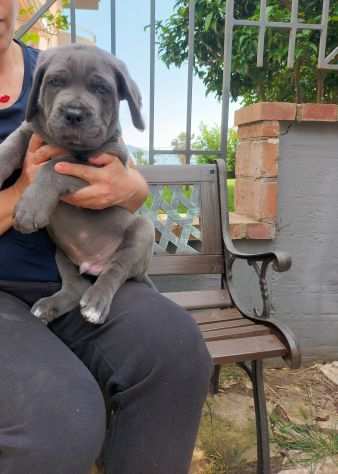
[{"x": 75, "y": 116}]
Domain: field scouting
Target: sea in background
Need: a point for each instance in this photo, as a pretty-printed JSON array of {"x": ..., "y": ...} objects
[{"x": 141, "y": 157}]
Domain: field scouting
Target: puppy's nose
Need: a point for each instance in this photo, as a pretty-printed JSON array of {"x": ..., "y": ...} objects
[{"x": 74, "y": 115}]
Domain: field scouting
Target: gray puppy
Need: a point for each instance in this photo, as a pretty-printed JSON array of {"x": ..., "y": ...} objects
[{"x": 74, "y": 104}]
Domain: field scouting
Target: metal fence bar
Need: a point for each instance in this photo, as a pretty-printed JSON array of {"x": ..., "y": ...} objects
[
  {"x": 230, "y": 23},
  {"x": 192, "y": 5},
  {"x": 293, "y": 34},
  {"x": 72, "y": 21},
  {"x": 261, "y": 35},
  {"x": 323, "y": 36},
  {"x": 279, "y": 24},
  {"x": 228, "y": 34},
  {"x": 113, "y": 26},
  {"x": 152, "y": 81},
  {"x": 331, "y": 56},
  {"x": 184, "y": 152},
  {"x": 36, "y": 17},
  {"x": 323, "y": 61}
]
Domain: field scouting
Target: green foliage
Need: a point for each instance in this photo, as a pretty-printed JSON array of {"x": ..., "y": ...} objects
[
  {"x": 209, "y": 138},
  {"x": 139, "y": 157},
  {"x": 224, "y": 445},
  {"x": 31, "y": 37},
  {"x": 52, "y": 23},
  {"x": 231, "y": 194},
  {"x": 304, "y": 83},
  {"x": 179, "y": 143},
  {"x": 187, "y": 190},
  {"x": 167, "y": 195},
  {"x": 308, "y": 444}
]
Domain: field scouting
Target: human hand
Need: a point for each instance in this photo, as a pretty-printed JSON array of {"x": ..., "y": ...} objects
[
  {"x": 36, "y": 156},
  {"x": 110, "y": 183}
]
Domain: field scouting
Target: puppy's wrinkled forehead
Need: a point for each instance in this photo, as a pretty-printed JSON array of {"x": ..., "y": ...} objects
[{"x": 82, "y": 64}]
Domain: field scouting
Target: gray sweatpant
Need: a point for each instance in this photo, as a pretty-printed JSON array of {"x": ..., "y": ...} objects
[{"x": 130, "y": 391}]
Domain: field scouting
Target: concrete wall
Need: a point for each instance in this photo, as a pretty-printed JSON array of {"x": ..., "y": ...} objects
[
  {"x": 306, "y": 297},
  {"x": 306, "y": 219}
]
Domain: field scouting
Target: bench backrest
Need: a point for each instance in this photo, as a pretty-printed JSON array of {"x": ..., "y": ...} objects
[{"x": 185, "y": 209}]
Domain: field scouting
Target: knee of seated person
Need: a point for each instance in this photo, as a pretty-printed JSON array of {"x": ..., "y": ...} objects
[
  {"x": 173, "y": 348},
  {"x": 181, "y": 349},
  {"x": 66, "y": 431}
]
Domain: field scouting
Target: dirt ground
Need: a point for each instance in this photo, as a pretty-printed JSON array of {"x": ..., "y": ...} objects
[{"x": 303, "y": 412}]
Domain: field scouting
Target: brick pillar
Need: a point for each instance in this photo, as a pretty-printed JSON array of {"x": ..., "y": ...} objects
[
  {"x": 257, "y": 164},
  {"x": 256, "y": 192}
]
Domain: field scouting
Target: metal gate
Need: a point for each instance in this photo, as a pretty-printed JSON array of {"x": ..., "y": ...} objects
[{"x": 324, "y": 62}]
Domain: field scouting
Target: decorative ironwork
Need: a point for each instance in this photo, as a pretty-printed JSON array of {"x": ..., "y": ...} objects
[
  {"x": 175, "y": 213},
  {"x": 294, "y": 25},
  {"x": 263, "y": 284}
]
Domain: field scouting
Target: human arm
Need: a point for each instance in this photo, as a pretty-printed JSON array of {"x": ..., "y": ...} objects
[
  {"x": 109, "y": 184},
  {"x": 37, "y": 154}
]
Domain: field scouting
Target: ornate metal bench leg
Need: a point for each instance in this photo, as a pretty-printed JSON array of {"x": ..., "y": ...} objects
[
  {"x": 214, "y": 382},
  {"x": 263, "y": 451},
  {"x": 255, "y": 372}
]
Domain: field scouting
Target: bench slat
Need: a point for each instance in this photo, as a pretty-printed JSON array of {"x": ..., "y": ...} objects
[
  {"x": 186, "y": 264},
  {"x": 214, "y": 315},
  {"x": 225, "y": 325},
  {"x": 200, "y": 299},
  {"x": 240, "y": 332},
  {"x": 243, "y": 349}
]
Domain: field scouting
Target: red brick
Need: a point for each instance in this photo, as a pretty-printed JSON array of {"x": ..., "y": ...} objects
[
  {"x": 244, "y": 227},
  {"x": 243, "y": 159},
  {"x": 244, "y": 196},
  {"x": 265, "y": 200},
  {"x": 259, "y": 130},
  {"x": 257, "y": 159},
  {"x": 261, "y": 230},
  {"x": 317, "y": 112},
  {"x": 256, "y": 198},
  {"x": 265, "y": 111},
  {"x": 237, "y": 231}
]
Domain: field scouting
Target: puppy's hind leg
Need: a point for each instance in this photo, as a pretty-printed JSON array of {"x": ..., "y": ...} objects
[
  {"x": 73, "y": 286},
  {"x": 131, "y": 260}
]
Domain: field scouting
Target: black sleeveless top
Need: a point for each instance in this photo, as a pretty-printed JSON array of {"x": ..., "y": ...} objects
[{"x": 24, "y": 257}]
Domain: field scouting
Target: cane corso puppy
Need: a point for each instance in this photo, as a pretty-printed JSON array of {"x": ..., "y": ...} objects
[{"x": 74, "y": 104}]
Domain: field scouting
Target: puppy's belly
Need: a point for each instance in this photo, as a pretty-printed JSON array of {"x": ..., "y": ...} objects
[{"x": 88, "y": 238}]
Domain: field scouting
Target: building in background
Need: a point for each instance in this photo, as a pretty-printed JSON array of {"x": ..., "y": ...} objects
[{"x": 42, "y": 34}]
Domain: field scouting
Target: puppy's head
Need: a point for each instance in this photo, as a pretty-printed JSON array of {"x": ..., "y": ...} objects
[{"x": 76, "y": 94}]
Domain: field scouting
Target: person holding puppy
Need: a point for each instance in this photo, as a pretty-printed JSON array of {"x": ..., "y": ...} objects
[{"x": 129, "y": 392}]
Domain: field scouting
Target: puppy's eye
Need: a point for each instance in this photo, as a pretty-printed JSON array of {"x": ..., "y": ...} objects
[
  {"x": 99, "y": 89},
  {"x": 56, "y": 82}
]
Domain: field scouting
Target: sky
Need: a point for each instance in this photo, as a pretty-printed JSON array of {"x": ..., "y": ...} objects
[{"x": 170, "y": 85}]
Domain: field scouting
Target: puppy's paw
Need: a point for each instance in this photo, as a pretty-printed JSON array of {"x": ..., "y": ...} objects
[
  {"x": 27, "y": 219},
  {"x": 95, "y": 304},
  {"x": 47, "y": 309}
]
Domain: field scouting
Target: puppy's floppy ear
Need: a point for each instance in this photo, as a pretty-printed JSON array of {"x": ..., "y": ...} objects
[
  {"x": 32, "y": 105},
  {"x": 129, "y": 91}
]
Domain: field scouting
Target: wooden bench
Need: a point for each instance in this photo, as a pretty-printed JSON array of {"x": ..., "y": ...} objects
[{"x": 188, "y": 207}]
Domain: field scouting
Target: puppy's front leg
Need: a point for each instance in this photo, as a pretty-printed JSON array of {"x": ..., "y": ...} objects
[
  {"x": 13, "y": 149},
  {"x": 73, "y": 286},
  {"x": 40, "y": 199}
]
